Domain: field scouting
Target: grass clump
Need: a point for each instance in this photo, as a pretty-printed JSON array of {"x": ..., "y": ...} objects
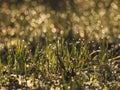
[
  {"x": 60, "y": 65},
  {"x": 50, "y": 44}
]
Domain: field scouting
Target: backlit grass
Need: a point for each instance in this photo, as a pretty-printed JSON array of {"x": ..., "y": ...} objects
[{"x": 61, "y": 65}]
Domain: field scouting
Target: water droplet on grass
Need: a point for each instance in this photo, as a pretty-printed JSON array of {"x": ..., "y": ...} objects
[
  {"x": 99, "y": 47},
  {"x": 77, "y": 42}
]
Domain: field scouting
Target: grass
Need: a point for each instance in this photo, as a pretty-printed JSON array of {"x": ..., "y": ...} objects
[
  {"x": 42, "y": 48},
  {"x": 63, "y": 65}
]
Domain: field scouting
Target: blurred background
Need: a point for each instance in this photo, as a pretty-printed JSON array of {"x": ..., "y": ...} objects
[{"x": 31, "y": 20}]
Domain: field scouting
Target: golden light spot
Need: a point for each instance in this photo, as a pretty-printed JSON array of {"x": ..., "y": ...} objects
[
  {"x": 61, "y": 32},
  {"x": 114, "y": 6},
  {"x": 21, "y": 33},
  {"x": 54, "y": 30},
  {"x": 105, "y": 30},
  {"x": 63, "y": 15},
  {"x": 82, "y": 34},
  {"x": 68, "y": 87},
  {"x": 92, "y": 3},
  {"x": 52, "y": 26},
  {"x": 21, "y": 17},
  {"x": 33, "y": 12},
  {"x": 13, "y": 19},
  {"x": 44, "y": 30},
  {"x": 48, "y": 15},
  {"x": 102, "y": 12},
  {"x": 4, "y": 31}
]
